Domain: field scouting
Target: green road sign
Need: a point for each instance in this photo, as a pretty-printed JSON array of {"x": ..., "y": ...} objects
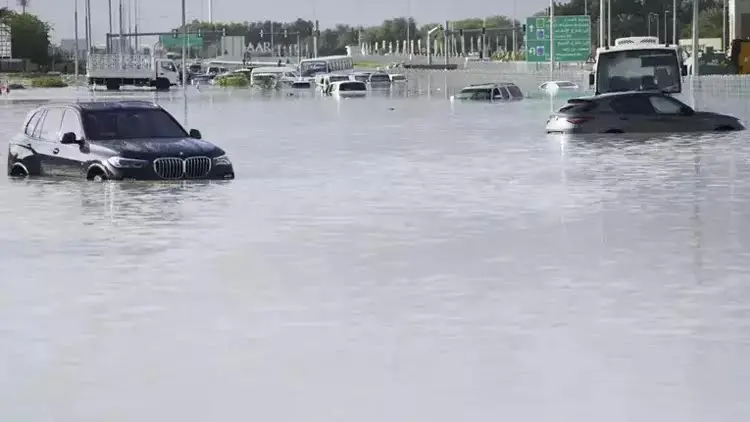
[
  {"x": 572, "y": 36},
  {"x": 170, "y": 41}
]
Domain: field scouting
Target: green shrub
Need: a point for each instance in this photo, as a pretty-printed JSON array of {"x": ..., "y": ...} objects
[
  {"x": 48, "y": 82},
  {"x": 233, "y": 81},
  {"x": 368, "y": 64}
]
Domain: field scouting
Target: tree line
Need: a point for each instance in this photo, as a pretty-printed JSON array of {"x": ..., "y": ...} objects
[
  {"x": 629, "y": 18},
  {"x": 29, "y": 36}
]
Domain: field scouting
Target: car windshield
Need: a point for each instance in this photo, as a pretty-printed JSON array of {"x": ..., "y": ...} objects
[
  {"x": 380, "y": 77},
  {"x": 637, "y": 70},
  {"x": 134, "y": 123},
  {"x": 473, "y": 93},
  {"x": 338, "y": 78},
  {"x": 352, "y": 86}
]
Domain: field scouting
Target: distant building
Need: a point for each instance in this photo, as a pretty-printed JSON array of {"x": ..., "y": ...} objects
[
  {"x": 5, "y": 48},
  {"x": 68, "y": 46}
]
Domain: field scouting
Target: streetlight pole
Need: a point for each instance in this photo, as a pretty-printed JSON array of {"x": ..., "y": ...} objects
[
  {"x": 696, "y": 11},
  {"x": 551, "y": 40},
  {"x": 666, "y": 28},
  {"x": 77, "y": 48},
  {"x": 184, "y": 46},
  {"x": 109, "y": 39},
  {"x": 609, "y": 23},
  {"x": 602, "y": 6},
  {"x": 674, "y": 23},
  {"x": 408, "y": 28},
  {"x": 724, "y": 39}
]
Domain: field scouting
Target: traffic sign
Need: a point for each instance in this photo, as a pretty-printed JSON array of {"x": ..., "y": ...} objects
[
  {"x": 572, "y": 35},
  {"x": 193, "y": 41}
]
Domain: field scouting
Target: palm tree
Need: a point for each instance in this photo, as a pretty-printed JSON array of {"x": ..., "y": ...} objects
[{"x": 24, "y": 5}]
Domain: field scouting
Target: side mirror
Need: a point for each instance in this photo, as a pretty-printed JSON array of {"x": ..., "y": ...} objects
[
  {"x": 195, "y": 134},
  {"x": 591, "y": 79},
  {"x": 69, "y": 138},
  {"x": 684, "y": 70}
]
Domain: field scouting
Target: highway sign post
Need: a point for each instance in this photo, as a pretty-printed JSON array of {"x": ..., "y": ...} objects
[{"x": 572, "y": 36}]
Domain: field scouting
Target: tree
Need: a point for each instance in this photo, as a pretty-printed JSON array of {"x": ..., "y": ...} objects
[
  {"x": 632, "y": 16},
  {"x": 29, "y": 37},
  {"x": 709, "y": 24}
]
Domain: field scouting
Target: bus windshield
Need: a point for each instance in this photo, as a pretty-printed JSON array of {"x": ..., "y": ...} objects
[
  {"x": 638, "y": 70},
  {"x": 311, "y": 68}
]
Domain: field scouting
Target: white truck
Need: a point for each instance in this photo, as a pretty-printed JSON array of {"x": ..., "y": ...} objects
[{"x": 142, "y": 70}]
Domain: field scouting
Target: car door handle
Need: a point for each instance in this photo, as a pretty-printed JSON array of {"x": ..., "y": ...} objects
[{"x": 56, "y": 150}]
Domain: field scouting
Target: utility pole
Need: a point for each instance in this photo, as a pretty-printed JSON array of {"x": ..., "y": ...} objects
[
  {"x": 551, "y": 40},
  {"x": 675, "y": 37},
  {"x": 109, "y": 39},
  {"x": 183, "y": 76},
  {"x": 77, "y": 48},
  {"x": 121, "y": 39},
  {"x": 602, "y": 6}
]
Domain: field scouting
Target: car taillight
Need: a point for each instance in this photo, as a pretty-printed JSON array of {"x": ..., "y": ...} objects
[{"x": 578, "y": 120}]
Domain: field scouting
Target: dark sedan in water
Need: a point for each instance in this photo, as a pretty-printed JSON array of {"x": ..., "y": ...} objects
[
  {"x": 124, "y": 140},
  {"x": 636, "y": 112}
]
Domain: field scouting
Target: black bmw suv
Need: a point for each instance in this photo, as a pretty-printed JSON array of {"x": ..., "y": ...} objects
[{"x": 123, "y": 140}]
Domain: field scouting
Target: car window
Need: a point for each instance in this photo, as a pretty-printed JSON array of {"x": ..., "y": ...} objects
[
  {"x": 632, "y": 104},
  {"x": 131, "y": 123},
  {"x": 51, "y": 124},
  {"x": 482, "y": 95},
  {"x": 664, "y": 105},
  {"x": 31, "y": 125},
  {"x": 38, "y": 128},
  {"x": 71, "y": 122},
  {"x": 515, "y": 91}
]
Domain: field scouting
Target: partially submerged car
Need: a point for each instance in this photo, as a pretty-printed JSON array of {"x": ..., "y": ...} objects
[
  {"x": 636, "y": 112},
  {"x": 492, "y": 92},
  {"x": 119, "y": 140}
]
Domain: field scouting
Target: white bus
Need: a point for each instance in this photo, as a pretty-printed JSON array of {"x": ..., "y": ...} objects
[
  {"x": 638, "y": 63},
  {"x": 328, "y": 64}
]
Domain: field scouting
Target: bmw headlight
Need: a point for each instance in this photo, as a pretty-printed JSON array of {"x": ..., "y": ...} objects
[
  {"x": 127, "y": 163},
  {"x": 222, "y": 160}
]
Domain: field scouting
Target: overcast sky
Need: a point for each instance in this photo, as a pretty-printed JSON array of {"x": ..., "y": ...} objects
[{"x": 161, "y": 15}]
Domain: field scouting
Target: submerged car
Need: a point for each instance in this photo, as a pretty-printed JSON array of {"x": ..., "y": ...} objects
[
  {"x": 123, "y": 140},
  {"x": 636, "y": 112},
  {"x": 347, "y": 89},
  {"x": 502, "y": 92},
  {"x": 560, "y": 85}
]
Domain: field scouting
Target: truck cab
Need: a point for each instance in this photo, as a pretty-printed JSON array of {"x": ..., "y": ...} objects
[{"x": 637, "y": 64}]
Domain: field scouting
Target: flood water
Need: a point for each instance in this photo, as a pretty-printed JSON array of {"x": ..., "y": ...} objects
[{"x": 386, "y": 259}]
